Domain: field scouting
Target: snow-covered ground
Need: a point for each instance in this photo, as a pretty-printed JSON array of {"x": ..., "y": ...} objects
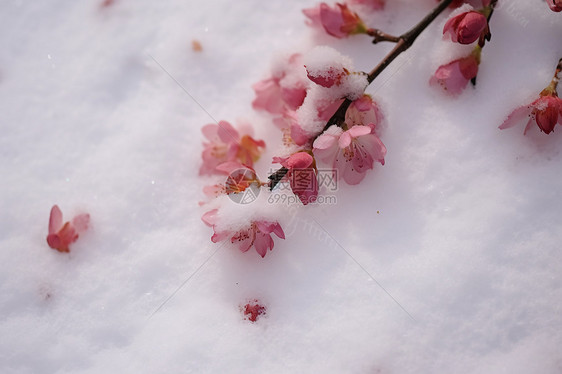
[{"x": 448, "y": 259}]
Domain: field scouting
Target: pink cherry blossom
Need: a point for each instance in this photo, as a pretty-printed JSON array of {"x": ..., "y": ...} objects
[
  {"x": 225, "y": 144},
  {"x": 302, "y": 175},
  {"x": 454, "y": 76},
  {"x": 351, "y": 152},
  {"x": 339, "y": 21},
  {"x": 363, "y": 111},
  {"x": 62, "y": 235},
  {"x": 285, "y": 90},
  {"x": 258, "y": 234},
  {"x": 546, "y": 111},
  {"x": 555, "y": 5},
  {"x": 466, "y": 27}
]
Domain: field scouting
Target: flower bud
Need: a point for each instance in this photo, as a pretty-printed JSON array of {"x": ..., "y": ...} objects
[{"x": 466, "y": 28}]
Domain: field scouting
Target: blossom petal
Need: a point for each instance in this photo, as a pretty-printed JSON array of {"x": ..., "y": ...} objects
[
  {"x": 81, "y": 222},
  {"x": 516, "y": 116},
  {"x": 55, "y": 219},
  {"x": 263, "y": 242},
  {"x": 210, "y": 218},
  {"x": 227, "y": 133},
  {"x": 345, "y": 139},
  {"x": 352, "y": 176},
  {"x": 210, "y": 131},
  {"x": 359, "y": 130},
  {"x": 374, "y": 146},
  {"x": 299, "y": 160}
]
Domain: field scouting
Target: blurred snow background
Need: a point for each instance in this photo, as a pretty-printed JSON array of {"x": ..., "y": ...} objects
[{"x": 461, "y": 226}]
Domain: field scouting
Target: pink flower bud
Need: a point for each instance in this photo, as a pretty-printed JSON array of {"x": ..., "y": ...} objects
[{"x": 466, "y": 28}]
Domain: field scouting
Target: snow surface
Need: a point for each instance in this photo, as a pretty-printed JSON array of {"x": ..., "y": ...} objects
[{"x": 461, "y": 226}]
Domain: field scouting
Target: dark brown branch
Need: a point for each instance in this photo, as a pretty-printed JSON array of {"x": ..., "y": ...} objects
[
  {"x": 403, "y": 42},
  {"x": 379, "y": 36},
  {"x": 276, "y": 177}
]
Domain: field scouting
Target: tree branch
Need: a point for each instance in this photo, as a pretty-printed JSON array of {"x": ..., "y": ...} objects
[{"x": 403, "y": 42}]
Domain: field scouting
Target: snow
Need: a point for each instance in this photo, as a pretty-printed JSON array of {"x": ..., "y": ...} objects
[{"x": 460, "y": 228}]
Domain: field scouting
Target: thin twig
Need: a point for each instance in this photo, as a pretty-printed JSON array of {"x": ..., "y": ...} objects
[{"x": 379, "y": 36}]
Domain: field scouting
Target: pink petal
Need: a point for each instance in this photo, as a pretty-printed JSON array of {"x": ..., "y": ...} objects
[
  {"x": 55, "y": 219},
  {"x": 325, "y": 141},
  {"x": 54, "y": 241},
  {"x": 359, "y": 130},
  {"x": 352, "y": 177},
  {"x": 374, "y": 146},
  {"x": 210, "y": 218},
  {"x": 528, "y": 126},
  {"x": 230, "y": 166},
  {"x": 244, "y": 238},
  {"x": 210, "y": 131},
  {"x": 450, "y": 78},
  {"x": 345, "y": 140},
  {"x": 300, "y": 160},
  {"x": 265, "y": 226},
  {"x": 332, "y": 21},
  {"x": 298, "y": 135},
  {"x": 227, "y": 133},
  {"x": 361, "y": 160},
  {"x": 213, "y": 190},
  {"x": 313, "y": 15},
  {"x": 277, "y": 230},
  {"x": 263, "y": 242},
  {"x": 81, "y": 222},
  {"x": 516, "y": 116},
  {"x": 308, "y": 195},
  {"x": 268, "y": 96},
  {"x": 293, "y": 97}
]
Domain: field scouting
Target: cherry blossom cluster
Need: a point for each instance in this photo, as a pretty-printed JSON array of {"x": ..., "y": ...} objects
[
  {"x": 326, "y": 120},
  {"x": 301, "y": 94},
  {"x": 231, "y": 153},
  {"x": 467, "y": 26},
  {"x": 350, "y": 148}
]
